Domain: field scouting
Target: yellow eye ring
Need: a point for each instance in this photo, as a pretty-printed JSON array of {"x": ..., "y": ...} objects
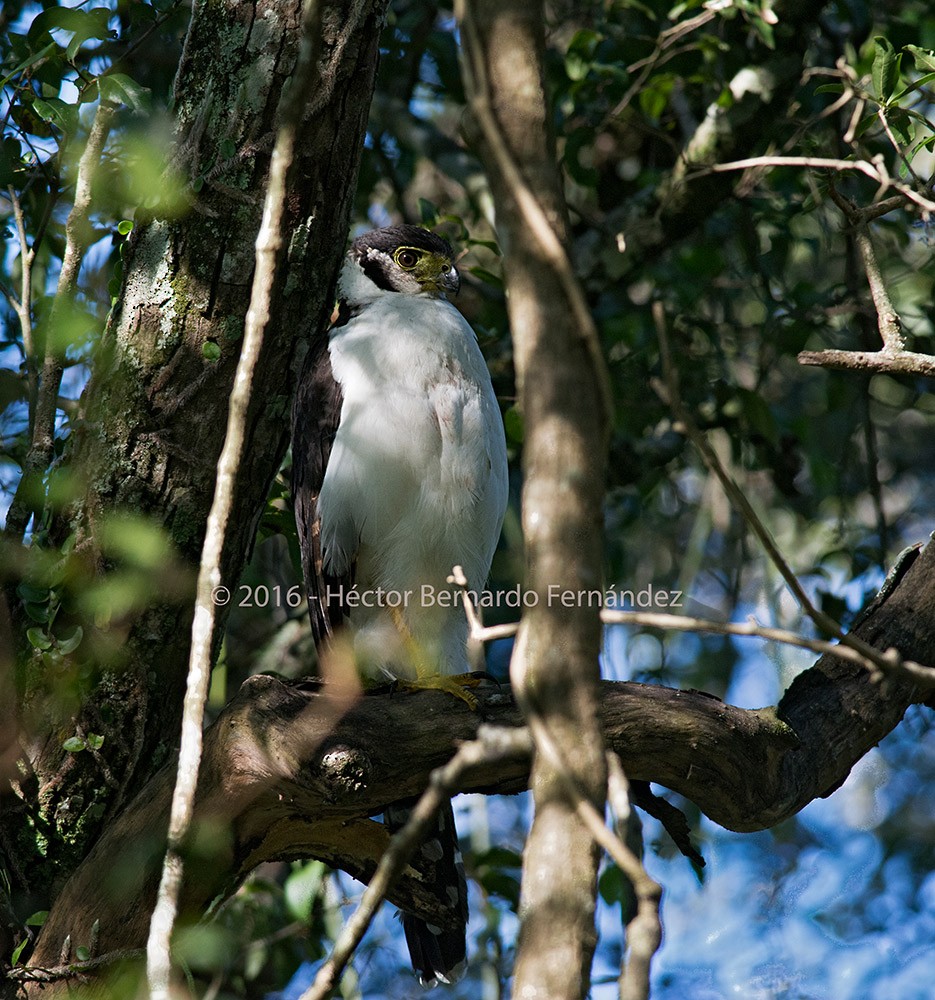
[{"x": 407, "y": 258}]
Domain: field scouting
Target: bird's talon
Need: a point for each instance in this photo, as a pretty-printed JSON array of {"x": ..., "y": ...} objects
[{"x": 455, "y": 685}]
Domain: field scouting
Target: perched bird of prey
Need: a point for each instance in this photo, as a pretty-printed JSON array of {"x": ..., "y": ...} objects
[{"x": 399, "y": 474}]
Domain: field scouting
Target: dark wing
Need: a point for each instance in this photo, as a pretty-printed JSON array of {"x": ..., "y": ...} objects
[{"x": 316, "y": 412}]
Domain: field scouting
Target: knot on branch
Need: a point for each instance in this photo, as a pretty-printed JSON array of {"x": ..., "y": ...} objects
[{"x": 344, "y": 771}]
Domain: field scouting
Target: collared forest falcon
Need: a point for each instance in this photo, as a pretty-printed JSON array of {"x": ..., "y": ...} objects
[{"x": 400, "y": 474}]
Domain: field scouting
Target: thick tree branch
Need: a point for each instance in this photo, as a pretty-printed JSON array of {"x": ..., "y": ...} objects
[
  {"x": 901, "y": 363},
  {"x": 491, "y": 746},
  {"x": 285, "y": 777}
]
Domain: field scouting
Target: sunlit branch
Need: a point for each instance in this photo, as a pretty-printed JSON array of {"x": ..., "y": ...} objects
[{"x": 875, "y": 170}]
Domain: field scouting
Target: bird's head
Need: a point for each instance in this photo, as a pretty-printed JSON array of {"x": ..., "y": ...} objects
[{"x": 404, "y": 259}]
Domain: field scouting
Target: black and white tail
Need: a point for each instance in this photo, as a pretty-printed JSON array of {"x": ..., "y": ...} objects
[{"x": 437, "y": 950}]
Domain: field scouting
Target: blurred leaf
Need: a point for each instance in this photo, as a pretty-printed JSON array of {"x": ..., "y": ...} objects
[
  {"x": 303, "y": 887},
  {"x": 513, "y": 425},
  {"x": 69, "y": 645},
  {"x": 428, "y": 213},
  {"x": 38, "y": 639},
  {"x": 74, "y": 744},
  {"x": 136, "y": 540},
  {"x": 488, "y": 277},
  {"x": 211, "y": 351}
]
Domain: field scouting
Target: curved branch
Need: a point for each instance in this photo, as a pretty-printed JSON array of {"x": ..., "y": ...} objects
[{"x": 290, "y": 772}]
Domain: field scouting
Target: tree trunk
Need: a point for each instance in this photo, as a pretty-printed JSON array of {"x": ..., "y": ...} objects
[
  {"x": 154, "y": 413},
  {"x": 559, "y": 371}
]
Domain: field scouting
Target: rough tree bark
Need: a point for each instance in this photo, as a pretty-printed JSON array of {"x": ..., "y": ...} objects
[
  {"x": 560, "y": 377},
  {"x": 154, "y": 412}
]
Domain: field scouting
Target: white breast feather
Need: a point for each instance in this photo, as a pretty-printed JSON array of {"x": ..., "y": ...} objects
[{"x": 417, "y": 478}]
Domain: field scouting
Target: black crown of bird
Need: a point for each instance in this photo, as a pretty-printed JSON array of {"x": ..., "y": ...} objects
[{"x": 400, "y": 474}]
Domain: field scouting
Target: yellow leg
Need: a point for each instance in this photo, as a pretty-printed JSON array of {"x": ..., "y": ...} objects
[{"x": 427, "y": 677}]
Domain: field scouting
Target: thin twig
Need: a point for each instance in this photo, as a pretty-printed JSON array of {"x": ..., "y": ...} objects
[
  {"x": 70, "y": 970},
  {"x": 23, "y": 307},
  {"x": 876, "y": 170},
  {"x": 900, "y": 152},
  {"x": 644, "y": 931},
  {"x": 493, "y": 743},
  {"x": 27, "y": 499},
  {"x": 903, "y": 363},
  {"x": 890, "y": 661},
  {"x": 269, "y": 248},
  {"x": 888, "y": 321}
]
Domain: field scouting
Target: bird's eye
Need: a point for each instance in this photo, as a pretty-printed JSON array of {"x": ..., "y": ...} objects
[
  {"x": 446, "y": 269},
  {"x": 407, "y": 259}
]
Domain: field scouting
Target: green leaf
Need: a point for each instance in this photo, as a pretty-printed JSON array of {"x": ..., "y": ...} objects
[
  {"x": 513, "y": 425},
  {"x": 900, "y": 125},
  {"x": 82, "y": 953},
  {"x": 302, "y": 888},
  {"x": 56, "y": 111},
  {"x": 74, "y": 744},
  {"x": 488, "y": 277},
  {"x": 428, "y": 212},
  {"x": 30, "y": 593},
  {"x": 487, "y": 244},
  {"x": 52, "y": 18},
  {"x": 37, "y": 613},
  {"x": 924, "y": 58},
  {"x": 38, "y": 639},
  {"x": 95, "y": 741},
  {"x": 654, "y": 97},
  {"x": 18, "y": 950},
  {"x": 125, "y": 227},
  {"x": 923, "y": 81},
  {"x": 210, "y": 351},
  {"x": 122, "y": 88},
  {"x": 37, "y": 919},
  {"x": 499, "y": 883},
  {"x": 69, "y": 645},
  {"x": 580, "y": 56},
  {"x": 885, "y": 70},
  {"x": 27, "y": 62}
]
